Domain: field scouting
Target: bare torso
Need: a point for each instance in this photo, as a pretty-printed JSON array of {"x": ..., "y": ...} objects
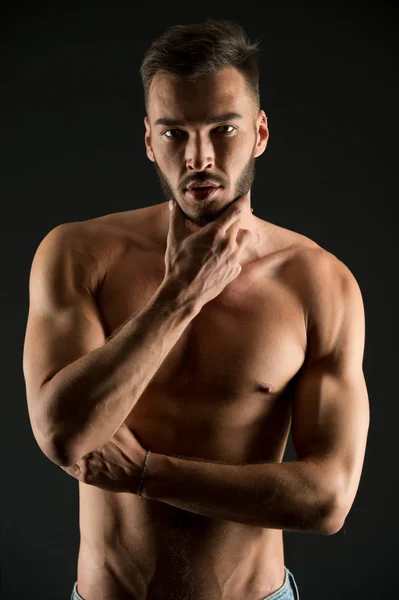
[{"x": 222, "y": 394}]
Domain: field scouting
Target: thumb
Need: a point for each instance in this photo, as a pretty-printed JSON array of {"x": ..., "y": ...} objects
[{"x": 177, "y": 229}]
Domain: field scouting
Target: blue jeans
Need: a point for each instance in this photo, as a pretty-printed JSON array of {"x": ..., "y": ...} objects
[{"x": 288, "y": 591}]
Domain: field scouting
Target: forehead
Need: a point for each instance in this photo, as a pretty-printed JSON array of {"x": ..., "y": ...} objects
[{"x": 221, "y": 92}]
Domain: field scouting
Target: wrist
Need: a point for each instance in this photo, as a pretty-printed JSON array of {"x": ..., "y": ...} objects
[
  {"x": 155, "y": 477},
  {"x": 139, "y": 491},
  {"x": 177, "y": 299}
]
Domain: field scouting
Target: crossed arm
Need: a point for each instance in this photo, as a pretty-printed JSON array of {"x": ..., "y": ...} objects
[
  {"x": 285, "y": 496},
  {"x": 330, "y": 420}
]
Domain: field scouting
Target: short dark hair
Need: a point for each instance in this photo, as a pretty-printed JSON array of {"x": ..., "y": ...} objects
[{"x": 198, "y": 49}]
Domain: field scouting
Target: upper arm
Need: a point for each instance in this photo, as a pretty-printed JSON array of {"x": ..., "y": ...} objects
[
  {"x": 330, "y": 414},
  {"x": 63, "y": 321}
]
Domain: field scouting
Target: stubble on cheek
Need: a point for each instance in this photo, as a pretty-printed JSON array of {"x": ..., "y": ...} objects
[{"x": 242, "y": 186}]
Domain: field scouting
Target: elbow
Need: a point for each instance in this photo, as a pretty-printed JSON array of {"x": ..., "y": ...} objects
[
  {"x": 332, "y": 525},
  {"x": 56, "y": 444},
  {"x": 333, "y": 503},
  {"x": 65, "y": 452},
  {"x": 60, "y": 456},
  {"x": 333, "y": 519},
  {"x": 53, "y": 449},
  {"x": 46, "y": 432},
  {"x": 56, "y": 453}
]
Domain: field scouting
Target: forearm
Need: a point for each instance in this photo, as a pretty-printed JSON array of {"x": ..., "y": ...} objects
[
  {"x": 285, "y": 496},
  {"x": 87, "y": 401}
]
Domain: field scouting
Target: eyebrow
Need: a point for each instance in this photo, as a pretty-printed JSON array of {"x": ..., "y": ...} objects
[{"x": 207, "y": 120}]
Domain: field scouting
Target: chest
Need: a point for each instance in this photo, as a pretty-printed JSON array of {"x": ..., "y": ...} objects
[
  {"x": 223, "y": 388},
  {"x": 251, "y": 336}
]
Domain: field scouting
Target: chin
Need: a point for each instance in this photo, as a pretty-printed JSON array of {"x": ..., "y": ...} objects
[{"x": 204, "y": 215}]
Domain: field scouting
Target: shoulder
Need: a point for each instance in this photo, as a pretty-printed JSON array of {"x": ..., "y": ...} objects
[
  {"x": 84, "y": 250},
  {"x": 326, "y": 274},
  {"x": 334, "y": 303},
  {"x": 320, "y": 270},
  {"x": 94, "y": 246},
  {"x": 130, "y": 228},
  {"x": 315, "y": 263},
  {"x": 327, "y": 286}
]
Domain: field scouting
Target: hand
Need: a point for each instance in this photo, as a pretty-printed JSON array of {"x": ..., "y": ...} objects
[
  {"x": 200, "y": 265},
  {"x": 117, "y": 466}
]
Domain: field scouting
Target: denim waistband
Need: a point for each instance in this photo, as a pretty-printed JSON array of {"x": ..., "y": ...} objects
[{"x": 288, "y": 591}]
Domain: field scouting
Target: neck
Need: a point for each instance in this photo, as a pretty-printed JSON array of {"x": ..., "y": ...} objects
[{"x": 247, "y": 221}]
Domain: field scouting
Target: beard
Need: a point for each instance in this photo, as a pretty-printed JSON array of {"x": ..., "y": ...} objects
[{"x": 206, "y": 212}]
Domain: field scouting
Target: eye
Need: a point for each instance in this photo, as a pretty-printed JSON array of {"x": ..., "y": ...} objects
[
  {"x": 232, "y": 128},
  {"x": 178, "y": 131}
]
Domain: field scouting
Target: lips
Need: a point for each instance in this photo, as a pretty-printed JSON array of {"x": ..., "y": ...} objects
[
  {"x": 203, "y": 193},
  {"x": 202, "y": 184}
]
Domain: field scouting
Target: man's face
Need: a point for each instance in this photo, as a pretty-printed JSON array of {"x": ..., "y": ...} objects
[{"x": 187, "y": 147}]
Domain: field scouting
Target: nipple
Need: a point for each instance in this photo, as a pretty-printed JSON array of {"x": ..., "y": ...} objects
[{"x": 266, "y": 387}]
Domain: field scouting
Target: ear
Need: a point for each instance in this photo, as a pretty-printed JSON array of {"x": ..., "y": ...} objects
[
  {"x": 147, "y": 139},
  {"x": 262, "y": 133}
]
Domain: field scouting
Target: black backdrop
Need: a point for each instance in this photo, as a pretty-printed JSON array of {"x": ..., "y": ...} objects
[{"x": 72, "y": 148}]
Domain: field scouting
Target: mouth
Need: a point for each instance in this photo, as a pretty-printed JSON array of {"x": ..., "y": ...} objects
[{"x": 202, "y": 192}]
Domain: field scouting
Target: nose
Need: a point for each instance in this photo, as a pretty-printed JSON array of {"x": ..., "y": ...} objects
[{"x": 200, "y": 153}]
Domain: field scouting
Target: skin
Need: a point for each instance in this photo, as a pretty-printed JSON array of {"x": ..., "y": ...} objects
[
  {"x": 223, "y": 151},
  {"x": 230, "y": 386}
]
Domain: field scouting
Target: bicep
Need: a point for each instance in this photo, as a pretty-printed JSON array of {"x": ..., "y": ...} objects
[
  {"x": 330, "y": 412},
  {"x": 63, "y": 321},
  {"x": 330, "y": 418}
]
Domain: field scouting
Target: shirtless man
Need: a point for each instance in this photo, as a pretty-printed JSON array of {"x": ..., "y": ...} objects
[{"x": 201, "y": 334}]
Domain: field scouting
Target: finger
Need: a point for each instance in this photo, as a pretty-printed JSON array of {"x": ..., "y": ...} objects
[
  {"x": 233, "y": 230},
  {"x": 231, "y": 214},
  {"x": 73, "y": 470},
  {"x": 177, "y": 230},
  {"x": 243, "y": 237}
]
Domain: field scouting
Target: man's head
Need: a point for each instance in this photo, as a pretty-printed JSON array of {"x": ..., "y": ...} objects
[{"x": 203, "y": 120}]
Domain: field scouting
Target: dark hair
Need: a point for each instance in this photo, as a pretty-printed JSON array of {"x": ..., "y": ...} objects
[{"x": 192, "y": 51}]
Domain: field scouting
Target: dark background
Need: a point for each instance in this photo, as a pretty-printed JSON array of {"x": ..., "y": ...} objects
[{"x": 72, "y": 148}]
